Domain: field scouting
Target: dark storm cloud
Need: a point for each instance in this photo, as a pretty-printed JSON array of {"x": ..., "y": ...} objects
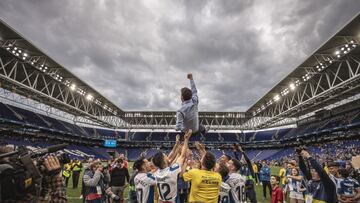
[{"x": 137, "y": 53}]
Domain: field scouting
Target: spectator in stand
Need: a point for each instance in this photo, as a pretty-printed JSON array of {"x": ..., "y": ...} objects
[
  {"x": 276, "y": 192},
  {"x": 265, "y": 178},
  {"x": 320, "y": 187},
  {"x": 119, "y": 179}
]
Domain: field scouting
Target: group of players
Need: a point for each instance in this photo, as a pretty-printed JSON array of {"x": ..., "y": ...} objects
[
  {"x": 231, "y": 179},
  {"x": 210, "y": 181}
]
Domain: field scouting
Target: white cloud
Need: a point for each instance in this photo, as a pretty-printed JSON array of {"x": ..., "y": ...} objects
[{"x": 137, "y": 53}]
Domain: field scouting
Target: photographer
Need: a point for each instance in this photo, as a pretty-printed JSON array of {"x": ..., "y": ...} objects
[
  {"x": 119, "y": 177},
  {"x": 94, "y": 183},
  {"x": 52, "y": 187},
  {"x": 320, "y": 187}
]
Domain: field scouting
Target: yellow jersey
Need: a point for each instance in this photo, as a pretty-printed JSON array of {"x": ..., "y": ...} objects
[
  {"x": 255, "y": 168},
  {"x": 205, "y": 185},
  {"x": 282, "y": 174}
]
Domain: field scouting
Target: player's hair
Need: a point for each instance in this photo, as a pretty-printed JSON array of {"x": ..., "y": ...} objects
[
  {"x": 158, "y": 160},
  {"x": 228, "y": 156},
  {"x": 333, "y": 164},
  {"x": 139, "y": 163},
  {"x": 277, "y": 178},
  {"x": 209, "y": 161},
  {"x": 344, "y": 172},
  {"x": 186, "y": 93},
  {"x": 223, "y": 170},
  {"x": 297, "y": 170},
  {"x": 236, "y": 163}
]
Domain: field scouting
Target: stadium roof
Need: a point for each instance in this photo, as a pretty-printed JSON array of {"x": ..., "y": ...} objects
[
  {"x": 28, "y": 71},
  {"x": 327, "y": 76}
]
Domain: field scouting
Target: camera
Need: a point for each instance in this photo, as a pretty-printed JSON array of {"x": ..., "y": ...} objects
[
  {"x": 302, "y": 146},
  {"x": 22, "y": 171}
]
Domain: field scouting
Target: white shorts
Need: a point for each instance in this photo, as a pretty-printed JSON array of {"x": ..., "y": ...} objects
[{"x": 296, "y": 195}]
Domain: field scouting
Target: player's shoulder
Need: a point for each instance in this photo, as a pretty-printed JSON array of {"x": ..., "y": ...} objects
[
  {"x": 351, "y": 180},
  {"x": 150, "y": 175},
  {"x": 225, "y": 186},
  {"x": 174, "y": 167},
  {"x": 194, "y": 170}
]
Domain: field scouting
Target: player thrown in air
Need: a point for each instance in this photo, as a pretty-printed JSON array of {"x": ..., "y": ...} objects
[{"x": 187, "y": 117}]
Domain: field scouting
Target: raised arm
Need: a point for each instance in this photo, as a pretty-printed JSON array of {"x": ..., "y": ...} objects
[
  {"x": 193, "y": 88},
  {"x": 248, "y": 162},
  {"x": 200, "y": 148},
  {"x": 172, "y": 154},
  {"x": 324, "y": 177},
  {"x": 304, "y": 169},
  {"x": 185, "y": 147}
]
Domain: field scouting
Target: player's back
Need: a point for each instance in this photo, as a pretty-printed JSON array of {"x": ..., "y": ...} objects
[
  {"x": 205, "y": 185},
  {"x": 238, "y": 189},
  {"x": 167, "y": 183},
  {"x": 144, "y": 185},
  {"x": 224, "y": 193}
]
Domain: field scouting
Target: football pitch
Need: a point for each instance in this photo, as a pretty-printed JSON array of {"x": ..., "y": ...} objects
[{"x": 74, "y": 194}]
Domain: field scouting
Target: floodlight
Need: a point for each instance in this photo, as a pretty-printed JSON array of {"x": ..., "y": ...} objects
[
  {"x": 277, "y": 98},
  {"x": 89, "y": 97},
  {"x": 73, "y": 87},
  {"x": 292, "y": 86}
]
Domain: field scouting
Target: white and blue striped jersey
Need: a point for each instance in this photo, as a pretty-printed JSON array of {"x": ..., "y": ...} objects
[
  {"x": 144, "y": 185},
  {"x": 348, "y": 187},
  {"x": 294, "y": 185},
  {"x": 167, "y": 183},
  {"x": 238, "y": 190},
  {"x": 224, "y": 193}
]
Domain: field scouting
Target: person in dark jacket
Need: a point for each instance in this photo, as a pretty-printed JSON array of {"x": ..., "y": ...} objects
[
  {"x": 248, "y": 171},
  {"x": 320, "y": 187},
  {"x": 119, "y": 179}
]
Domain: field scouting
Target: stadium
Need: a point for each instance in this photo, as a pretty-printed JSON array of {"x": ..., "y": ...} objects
[{"x": 316, "y": 107}]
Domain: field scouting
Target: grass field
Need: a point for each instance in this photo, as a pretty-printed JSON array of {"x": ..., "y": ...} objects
[{"x": 74, "y": 194}]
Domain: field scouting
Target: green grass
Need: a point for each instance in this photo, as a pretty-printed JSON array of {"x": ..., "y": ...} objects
[{"x": 74, "y": 194}]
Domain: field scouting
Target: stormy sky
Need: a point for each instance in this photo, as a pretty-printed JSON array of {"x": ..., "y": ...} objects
[{"x": 137, "y": 53}]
